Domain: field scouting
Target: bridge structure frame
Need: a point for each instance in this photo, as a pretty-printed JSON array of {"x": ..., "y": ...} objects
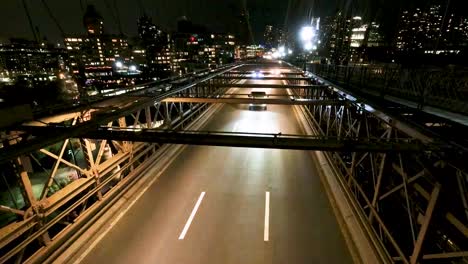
[
  {"x": 412, "y": 203},
  {"x": 55, "y": 182}
]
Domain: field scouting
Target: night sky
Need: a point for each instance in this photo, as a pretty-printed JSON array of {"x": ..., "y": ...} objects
[{"x": 218, "y": 15}]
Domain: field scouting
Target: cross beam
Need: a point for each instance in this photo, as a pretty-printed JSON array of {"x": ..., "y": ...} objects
[
  {"x": 275, "y": 101},
  {"x": 251, "y": 140},
  {"x": 269, "y": 72},
  {"x": 247, "y": 77},
  {"x": 272, "y": 86},
  {"x": 33, "y": 144}
]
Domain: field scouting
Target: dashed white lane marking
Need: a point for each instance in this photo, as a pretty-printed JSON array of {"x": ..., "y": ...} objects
[
  {"x": 192, "y": 215},
  {"x": 267, "y": 217},
  {"x": 234, "y": 129}
]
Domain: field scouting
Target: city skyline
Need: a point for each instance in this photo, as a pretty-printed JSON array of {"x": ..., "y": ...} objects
[{"x": 219, "y": 16}]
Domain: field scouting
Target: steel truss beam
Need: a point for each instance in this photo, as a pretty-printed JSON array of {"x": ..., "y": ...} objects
[
  {"x": 438, "y": 91},
  {"x": 254, "y": 140},
  {"x": 274, "y": 101},
  {"x": 267, "y": 72},
  {"x": 412, "y": 201},
  {"x": 272, "y": 86},
  {"x": 204, "y": 86},
  {"x": 278, "y": 78},
  {"x": 77, "y": 175}
]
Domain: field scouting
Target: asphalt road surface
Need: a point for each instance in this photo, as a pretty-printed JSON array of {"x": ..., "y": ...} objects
[{"x": 231, "y": 205}]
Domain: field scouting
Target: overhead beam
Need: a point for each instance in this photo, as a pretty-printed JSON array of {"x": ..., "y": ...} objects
[
  {"x": 247, "y": 77},
  {"x": 274, "y": 101},
  {"x": 26, "y": 146},
  {"x": 271, "y": 86},
  {"x": 251, "y": 140},
  {"x": 269, "y": 72}
]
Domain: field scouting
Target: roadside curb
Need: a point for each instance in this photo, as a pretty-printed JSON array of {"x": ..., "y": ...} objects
[{"x": 362, "y": 247}]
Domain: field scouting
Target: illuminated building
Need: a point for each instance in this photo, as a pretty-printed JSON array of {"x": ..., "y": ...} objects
[
  {"x": 159, "y": 47},
  {"x": 340, "y": 39},
  {"x": 95, "y": 54},
  {"x": 274, "y": 37},
  {"x": 218, "y": 49},
  {"x": 28, "y": 57},
  {"x": 197, "y": 48},
  {"x": 375, "y": 38},
  {"x": 424, "y": 31},
  {"x": 93, "y": 21},
  {"x": 269, "y": 37},
  {"x": 249, "y": 52}
]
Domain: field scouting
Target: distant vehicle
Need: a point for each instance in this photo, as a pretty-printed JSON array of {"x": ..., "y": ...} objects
[
  {"x": 257, "y": 75},
  {"x": 258, "y": 95}
]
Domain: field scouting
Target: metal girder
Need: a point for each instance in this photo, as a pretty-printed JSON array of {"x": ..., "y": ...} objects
[
  {"x": 275, "y": 101},
  {"x": 385, "y": 185},
  {"x": 108, "y": 116},
  {"x": 253, "y": 140},
  {"x": 437, "y": 91},
  {"x": 286, "y": 78},
  {"x": 100, "y": 168},
  {"x": 271, "y": 86},
  {"x": 269, "y": 72}
]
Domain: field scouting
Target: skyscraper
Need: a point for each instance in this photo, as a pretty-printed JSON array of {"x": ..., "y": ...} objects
[
  {"x": 340, "y": 38},
  {"x": 431, "y": 31},
  {"x": 268, "y": 36},
  {"x": 93, "y": 21},
  {"x": 158, "y": 47},
  {"x": 94, "y": 54}
]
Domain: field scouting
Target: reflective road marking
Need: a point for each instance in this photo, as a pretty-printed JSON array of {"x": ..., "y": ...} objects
[{"x": 192, "y": 215}]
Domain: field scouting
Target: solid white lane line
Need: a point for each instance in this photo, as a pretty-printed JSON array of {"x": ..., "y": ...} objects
[
  {"x": 192, "y": 215},
  {"x": 267, "y": 217}
]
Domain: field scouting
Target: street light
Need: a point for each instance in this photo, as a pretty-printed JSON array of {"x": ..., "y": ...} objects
[
  {"x": 307, "y": 33},
  {"x": 281, "y": 49},
  {"x": 118, "y": 64}
]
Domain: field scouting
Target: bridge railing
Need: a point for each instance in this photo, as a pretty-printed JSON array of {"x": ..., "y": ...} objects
[
  {"x": 440, "y": 88},
  {"x": 51, "y": 185},
  {"x": 413, "y": 203},
  {"x": 85, "y": 100}
]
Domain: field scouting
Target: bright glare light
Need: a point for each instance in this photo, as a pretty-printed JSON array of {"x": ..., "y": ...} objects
[
  {"x": 119, "y": 64},
  {"x": 281, "y": 49},
  {"x": 132, "y": 68},
  {"x": 257, "y": 74},
  {"x": 276, "y": 72},
  {"x": 307, "y": 33},
  {"x": 290, "y": 51},
  {"x": 308, "y": 46}
]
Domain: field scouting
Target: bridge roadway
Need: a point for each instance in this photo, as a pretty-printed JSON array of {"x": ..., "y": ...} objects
[{"x": 230, "y": 225}]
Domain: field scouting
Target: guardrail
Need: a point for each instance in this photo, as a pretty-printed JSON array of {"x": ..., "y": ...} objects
[
  {"x": 50, "y": 183},
  {"x": 414, "y": 204},
  {"x": 444, "y": 89},
  {"x": 164, "y": 84}
]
